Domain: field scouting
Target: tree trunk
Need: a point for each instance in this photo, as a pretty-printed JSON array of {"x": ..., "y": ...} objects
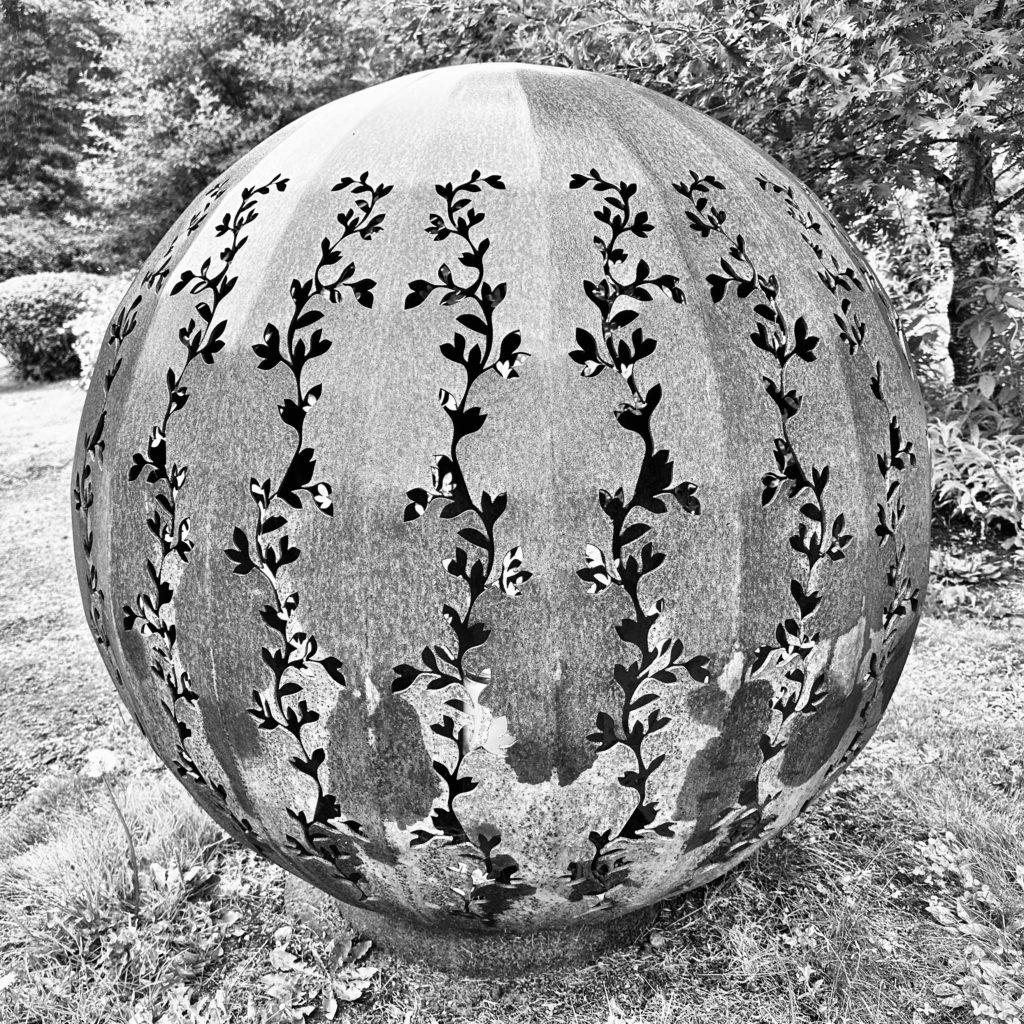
[{"x": 973, "y": 247}]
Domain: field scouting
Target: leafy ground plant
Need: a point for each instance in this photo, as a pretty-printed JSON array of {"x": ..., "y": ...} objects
[
  {"x": 967, "y": 574},
  {"x": 978, "y": 468},
  {"x": 192, "y": 943}
]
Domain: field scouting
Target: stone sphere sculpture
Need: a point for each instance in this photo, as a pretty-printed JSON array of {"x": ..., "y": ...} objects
[{"x": 502, "y": 499}]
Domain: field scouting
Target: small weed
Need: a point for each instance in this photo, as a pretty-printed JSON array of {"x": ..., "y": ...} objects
[
  {"x": 988, "y": 976},
  {"x": 321, "y": 974}
]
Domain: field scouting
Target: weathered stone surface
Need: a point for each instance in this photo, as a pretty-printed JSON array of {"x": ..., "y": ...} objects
[
  {"x": 503, "y": 499},
  {"x": 491, "y": 953}
]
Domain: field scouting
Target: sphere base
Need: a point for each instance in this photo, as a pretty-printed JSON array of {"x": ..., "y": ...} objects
[{"x": 493, "y": 954}]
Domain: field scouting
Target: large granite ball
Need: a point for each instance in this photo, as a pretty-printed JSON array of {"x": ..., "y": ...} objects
[{"x": 502, "y": 499}]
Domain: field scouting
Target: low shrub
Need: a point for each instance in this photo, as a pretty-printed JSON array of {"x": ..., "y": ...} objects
[
  {"x": 32, "y": 245},
  {"x": 978, "y": 467},
  {"x": 35, "y": 310},
  {"x": 89, "y": 327}
]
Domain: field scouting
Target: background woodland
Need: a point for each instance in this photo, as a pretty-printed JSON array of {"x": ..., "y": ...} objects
[
  {"x": 905, "y": 117},
  {"x": 899, "y": 897}
]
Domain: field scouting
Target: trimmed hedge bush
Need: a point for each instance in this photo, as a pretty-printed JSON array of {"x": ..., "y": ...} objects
[
  {"x": 35, "y": 312},
  {"x": 89, "y": 327},
  {"x": 32, "y": 245}
]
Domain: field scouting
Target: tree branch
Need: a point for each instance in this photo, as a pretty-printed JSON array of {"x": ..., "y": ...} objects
[{"x": 1009, "y": 200}]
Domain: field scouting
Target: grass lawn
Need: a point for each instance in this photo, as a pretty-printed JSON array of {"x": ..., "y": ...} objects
[{"x": 898, "y": 897}]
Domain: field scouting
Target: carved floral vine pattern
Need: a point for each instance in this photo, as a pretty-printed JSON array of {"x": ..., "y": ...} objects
[
  {"x": 896, "y": 458},
  {"x": 155, "y": 277},
  {"x": 488, "y": 881},
  {"x": 325, "y": 834},
  {"x": 819, "y": 538},
  {"x": 152, "y": 614},
  {"x": 624, "y": 565},
  {"x": 84, "y": 485},
  {"x": 86, "y": 479}
]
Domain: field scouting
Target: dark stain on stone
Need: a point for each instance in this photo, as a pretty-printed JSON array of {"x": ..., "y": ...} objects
[
  {"x": 137, "y": 654},
  {"x": 405, "y": 785},
  {"x": 815, "y": 737},
  {"x": 225, "y": 734},
  {"x": 532, "y": 760},
  {"x": 529, "y": 759},
  {"x": 222, "y": 702},
  {"x": 731, "y": 758},
  {"x": 706, "y": 705},
  {"x": 893, "y": 669},
  {"x": 873, "y": 712},
  {"x": 556, "y": 744},
  {"x": 152, "y": 719}
]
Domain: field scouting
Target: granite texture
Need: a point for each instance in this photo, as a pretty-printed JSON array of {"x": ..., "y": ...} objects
[
  {"x": 495, "y": 953},
  {"x": 503, "y": 499}
]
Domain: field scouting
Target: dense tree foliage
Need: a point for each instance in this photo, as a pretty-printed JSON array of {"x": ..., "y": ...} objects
[
  {"x": 187, "y": 87},
  {"x": 861, "y": 99},
  {"x": 46, "y": 47},
  {"x": 907, "y": 117},
  {"x": 866, "y": 100}
]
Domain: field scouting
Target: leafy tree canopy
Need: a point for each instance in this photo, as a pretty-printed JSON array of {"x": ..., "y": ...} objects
[
  {"x": 46, "y": 47},
  {"x": 187, "y": 87},
  {"x": 868, "y": 101}
]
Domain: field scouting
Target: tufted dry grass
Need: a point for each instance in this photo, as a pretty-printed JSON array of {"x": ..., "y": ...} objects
[{"x": 899, "y": 897}]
